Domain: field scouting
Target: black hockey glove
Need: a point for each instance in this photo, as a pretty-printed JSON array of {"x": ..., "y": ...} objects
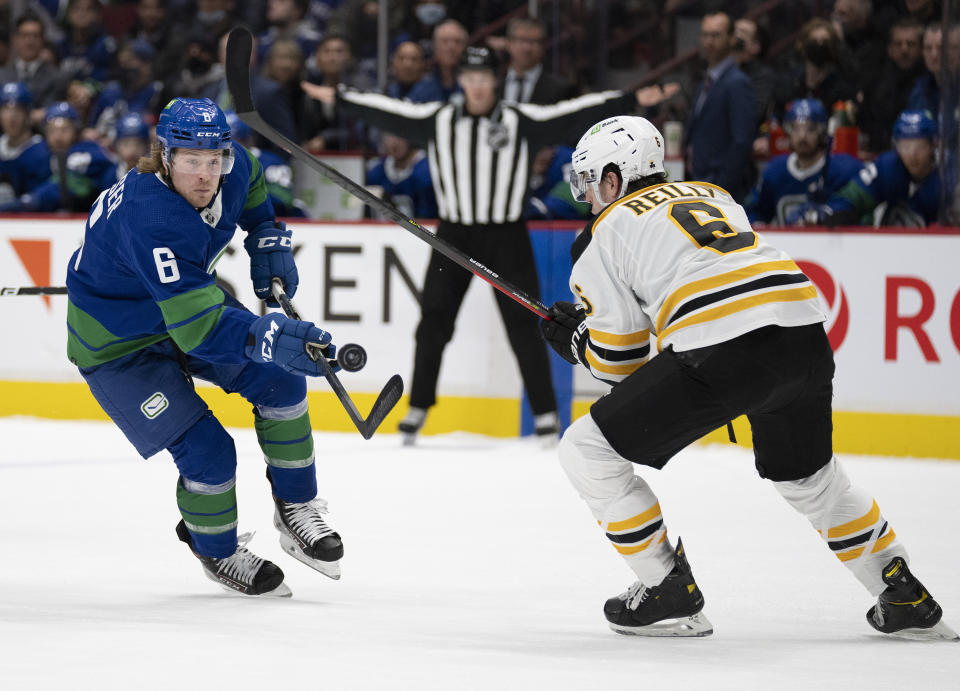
[{"x": 565, "y": 331}]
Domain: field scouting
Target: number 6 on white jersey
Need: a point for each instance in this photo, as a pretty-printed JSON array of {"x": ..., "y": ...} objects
[{"x": 166, "y": 264}]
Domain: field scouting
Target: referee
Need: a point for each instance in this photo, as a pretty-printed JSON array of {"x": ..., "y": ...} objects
[{"x": 480, "y": 151}]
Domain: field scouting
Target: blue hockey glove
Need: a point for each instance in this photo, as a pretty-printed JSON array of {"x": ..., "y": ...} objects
[
  {"x": 808, "y": 214},
  {"x": 283, "y": 341},
  {"x": 565, "y": 330},
  {"x": 270, "y": 247}
]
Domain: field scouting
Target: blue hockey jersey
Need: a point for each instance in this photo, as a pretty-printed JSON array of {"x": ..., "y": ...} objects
[
  {"x": 24, "y": 167},
  {"x": 785, "y": 186},
  {"x": 409, "y": 189},
  {"x": 886, "y": 181},
  {"x": 146, "y": 268},
  {"x": 279, "y": 178}
]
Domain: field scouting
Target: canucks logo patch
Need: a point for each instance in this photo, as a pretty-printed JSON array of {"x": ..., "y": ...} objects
[{"x": 154, "y": 405}]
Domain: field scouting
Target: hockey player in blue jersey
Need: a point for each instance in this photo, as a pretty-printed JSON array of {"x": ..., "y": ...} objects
[
  {"x": 792, "y": 180},
  {"x": 276, "y": 171},
  {"x": 80, "y": 169},
  {"x": 900, "y": 188},
  {"x": 404, "y": 175},
  {"x": 24, "y": 156},
  {"x": 145, "y": 315}
]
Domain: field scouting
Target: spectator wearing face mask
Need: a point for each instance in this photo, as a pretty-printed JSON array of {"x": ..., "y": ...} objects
[
  {"x": 823, "y": 71},
  {"x": 200, "y": 72},
  {"x": 862, "y": 37}
]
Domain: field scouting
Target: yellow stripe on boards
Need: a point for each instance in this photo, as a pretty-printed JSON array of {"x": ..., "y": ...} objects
[
  {"x": 856, "y": 526},
  {"x": 633, "y": 549},
  {"x": 705, "y": 284},
  {"x": 789, "y": 295},
  {"x": 636, "y": 521}
]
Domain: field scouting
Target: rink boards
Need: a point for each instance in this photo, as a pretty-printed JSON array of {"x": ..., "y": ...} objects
[{"x": 893, "y": 301}]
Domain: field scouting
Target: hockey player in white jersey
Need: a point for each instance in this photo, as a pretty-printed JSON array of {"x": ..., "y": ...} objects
[{"x": 695, "y": 319}]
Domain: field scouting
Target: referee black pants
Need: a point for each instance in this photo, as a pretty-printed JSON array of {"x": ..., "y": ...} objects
[{"x": 506, "y": 249}]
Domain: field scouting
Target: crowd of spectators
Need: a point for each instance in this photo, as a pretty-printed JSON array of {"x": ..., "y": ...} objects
[{"x": 83, "y": 69}]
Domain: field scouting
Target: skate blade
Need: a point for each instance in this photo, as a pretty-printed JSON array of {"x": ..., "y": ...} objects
[
  {"x": 940, "y": 632},
  {"x": 330, "y": 569},
  {"x": 282, "y": 590},
  {"x": 695, "y": 626},
  {"x": 408, "y": 438}
]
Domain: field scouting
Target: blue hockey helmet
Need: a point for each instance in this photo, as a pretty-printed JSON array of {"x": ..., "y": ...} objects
[
  {"x": 915, "y": 124},
  {"x": 194, "y": 123},
  {"x": 61, "y": 109},
  {"x": 806, "y": 110},
  {"x": 240, "y": 130},
  {"x": 132, "y": 125},
  {"x": 17, "y": 93}
]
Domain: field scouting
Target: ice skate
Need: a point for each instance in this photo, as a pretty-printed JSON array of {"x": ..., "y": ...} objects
[
  {"x": 243, "y": 572},
  {"x": 547, "y": 429},
  {"x": 906, "y": 609},
  {"x": 672, "y": 608},
  {"x": 410, "y": 425},
  {"x": 305, "y": 536}
]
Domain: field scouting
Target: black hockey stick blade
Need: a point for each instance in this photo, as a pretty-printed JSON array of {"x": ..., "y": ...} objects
[
  {"x": 386, "y": 400},
  {"x": 239, "y": 47},
  {"x": 34, "y": 290}
]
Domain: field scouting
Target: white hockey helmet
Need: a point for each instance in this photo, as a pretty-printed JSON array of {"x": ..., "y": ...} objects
[{"x": 630, "y": 142}]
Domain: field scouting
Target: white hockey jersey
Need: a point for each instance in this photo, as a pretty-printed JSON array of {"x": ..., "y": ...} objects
[{"x": 677, "y": 264}]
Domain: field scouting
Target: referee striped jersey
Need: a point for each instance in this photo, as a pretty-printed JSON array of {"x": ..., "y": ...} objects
[
  {"x": 480, "y": 165},
  {"x": 677, "y": 264}
]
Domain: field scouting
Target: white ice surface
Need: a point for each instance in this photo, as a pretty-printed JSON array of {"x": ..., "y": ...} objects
[{"x": 470, "y": 564}]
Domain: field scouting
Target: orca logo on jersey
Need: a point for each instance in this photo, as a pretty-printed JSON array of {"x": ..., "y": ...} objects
[
  {"x": 838, "y": 308},
  {"x": 273, "y": 241},
  {"x": 266, "y": 347}
]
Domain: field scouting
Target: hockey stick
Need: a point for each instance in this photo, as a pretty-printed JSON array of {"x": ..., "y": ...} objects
[
  {"x": 35, "y": 290},
  {"x": 385, "y": 401},
  {"x": 239, "y": 47}
]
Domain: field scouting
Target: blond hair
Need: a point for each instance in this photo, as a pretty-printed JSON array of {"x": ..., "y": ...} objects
[{"x": 152, "y": 163}]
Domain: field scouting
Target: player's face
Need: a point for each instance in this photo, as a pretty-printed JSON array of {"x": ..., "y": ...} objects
[
  {"x": 130, "y": 149},
  {"x": 609, "y": 188},
  {"x": 13, "y": 119},
  {"x": 60, "y": 134},
  {"x": 479, "y": 90},
  {"x": 917, "y": 156},
  {"x": 525, "y": 46},
  {"x": 196, "y": 174},
  {"x": 804, "y": 138}
]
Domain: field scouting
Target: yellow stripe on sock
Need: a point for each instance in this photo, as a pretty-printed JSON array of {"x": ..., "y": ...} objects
[
  {"x": 632, "y": 549},
  {"x": 884, "y": 541},
  {"x": 855, "y": 526},
  {"x": 852, "y": 554},
  {"x": 636, "y": 521}
]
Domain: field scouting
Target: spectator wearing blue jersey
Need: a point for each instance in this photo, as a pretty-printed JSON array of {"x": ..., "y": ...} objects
[
  {"x": 276, "y": 171},
  {"x": 899, "y": 188},
  {"x": 80, "y": 169},
  {"x": 449, "y": 43},
  {"x": 406, "y": 69},
  {"x": 403, "y": 174},
  {"x": 131, "y": 142},
  {"x": 86, "y": 52},
  {"x": 24, "y": 156},
  {"x": 145, "y": 315},
  {"x": 135, "y": 91},
  {"x": 806, "y": 174},
  {"x": 550, "y": 196}
]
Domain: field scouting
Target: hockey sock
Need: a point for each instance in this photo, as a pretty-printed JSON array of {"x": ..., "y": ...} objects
[
  {"x": 210, "y": 514},
  {"x": 287, "y": 444},
  {"x": 623, "y": 504},
  {"x": 848, "y": 519}
]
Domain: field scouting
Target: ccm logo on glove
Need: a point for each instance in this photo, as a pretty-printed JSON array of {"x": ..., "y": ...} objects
[
  {"x": 266, "y": 242},
  {"x": 266, "y": 347}
]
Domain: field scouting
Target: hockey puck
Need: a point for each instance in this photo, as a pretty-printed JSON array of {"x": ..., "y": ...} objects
[{"x": 351, "y": 357}]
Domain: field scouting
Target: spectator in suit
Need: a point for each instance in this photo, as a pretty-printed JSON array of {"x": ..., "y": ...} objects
[
  {"x": 27, "y": 65},
  {"x": 887, "y": 95},
  {"x": 751, "y": 41},
  {"x": 449, "y": 42},
  {"x": 526, "y": 81},
  {"x": 720, "y": 127},
  {"x": 406, "y": 69}
]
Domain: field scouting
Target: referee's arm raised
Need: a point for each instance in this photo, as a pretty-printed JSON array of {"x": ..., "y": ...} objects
[
  {"x": 412, "y": 121},
  {"x": 568, "y": 120}
]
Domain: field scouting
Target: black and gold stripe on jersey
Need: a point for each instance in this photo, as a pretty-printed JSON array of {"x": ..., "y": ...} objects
[
  {"x": 716, "y": 297},
  {"x": 850, "y": 540},
  {"x": 634, "y": 535},
  {"x": 611, "y": 355}
]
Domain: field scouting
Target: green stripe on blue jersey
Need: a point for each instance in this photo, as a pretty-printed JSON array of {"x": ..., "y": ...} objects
[
  {"x": 257, "y": 193},
  {"x": 286, "y": 443},
  {"x": 90, "y": 343},
  {"x": 191, "y": 316},
  {"x": 208, "y": 513}
]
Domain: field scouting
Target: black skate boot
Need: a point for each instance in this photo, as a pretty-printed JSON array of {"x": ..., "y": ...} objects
[
  {"x": 905, "y": 609},
  {"x": 672, "y": 608},
  {"x": 243, "y": 571}
]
